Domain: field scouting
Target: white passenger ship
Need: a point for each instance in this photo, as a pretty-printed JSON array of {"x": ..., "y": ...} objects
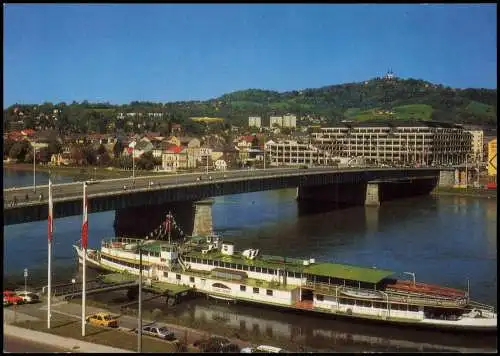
[{"x": 214, "y": 267}]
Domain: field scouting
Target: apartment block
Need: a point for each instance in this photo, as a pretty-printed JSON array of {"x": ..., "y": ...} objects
[{"x": 254, "y": 121}]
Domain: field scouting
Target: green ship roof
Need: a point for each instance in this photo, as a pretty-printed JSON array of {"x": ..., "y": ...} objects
[{"x": 353, "y": 273}]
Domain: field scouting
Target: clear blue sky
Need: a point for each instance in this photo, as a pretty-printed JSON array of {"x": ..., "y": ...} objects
[{"x": 121, "y": 53}]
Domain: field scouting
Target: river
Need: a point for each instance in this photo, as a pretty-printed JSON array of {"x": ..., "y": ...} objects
[{"x": 443, "y": 240}]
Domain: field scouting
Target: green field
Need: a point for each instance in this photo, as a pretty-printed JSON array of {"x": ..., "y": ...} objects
[{"x": 478, "y": 108}]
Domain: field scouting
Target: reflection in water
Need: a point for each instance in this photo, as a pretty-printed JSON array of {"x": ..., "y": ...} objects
[
  {"x": 371, "y": 216},
  {"x": 327, "y": 333}
]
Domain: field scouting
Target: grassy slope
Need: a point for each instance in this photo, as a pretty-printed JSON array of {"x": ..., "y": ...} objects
[{"x": 403, "y": 112}]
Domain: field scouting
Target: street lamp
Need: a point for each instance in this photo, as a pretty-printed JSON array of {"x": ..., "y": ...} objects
[
  {"x": 73, "y": 294},
  {"x": 34, "y": 168},
  {"x": 139, "y": 314},
  {"x": 413, "y": 275},
  {"x": 25, "y": 280}
]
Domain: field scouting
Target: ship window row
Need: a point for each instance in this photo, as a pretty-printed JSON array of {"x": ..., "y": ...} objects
[
  {"x": 378, "y": 305},
  {"x": 124, "y": 263},
  {"x": 238, "y": 266}
]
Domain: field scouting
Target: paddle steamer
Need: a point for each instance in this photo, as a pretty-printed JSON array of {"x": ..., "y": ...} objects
[{"x": 214, "y": 267}]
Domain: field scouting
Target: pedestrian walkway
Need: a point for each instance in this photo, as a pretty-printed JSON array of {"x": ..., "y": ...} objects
[{"x": 63, "y": 342}]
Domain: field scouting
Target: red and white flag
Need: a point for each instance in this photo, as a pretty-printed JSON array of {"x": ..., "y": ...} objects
[
  {"x": 168, "y": 223},
  {"x": 50, "y": 218},
  {"x": 85, "y": 225}
]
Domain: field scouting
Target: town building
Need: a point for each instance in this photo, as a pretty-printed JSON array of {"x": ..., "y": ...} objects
[
  {"x": 254, "y": 121},
  {"x": 289, "y": 121},
  {"x": 294, "y": 153},
  {"x": 492, "y": 158},
  {"x": 276, "y": 121},
  {"x": 415, "y": 143},
  {"x": 477, "y": 145}
]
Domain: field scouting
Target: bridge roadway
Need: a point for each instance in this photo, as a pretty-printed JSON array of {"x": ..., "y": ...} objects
[{"x": 110, "y": 194}]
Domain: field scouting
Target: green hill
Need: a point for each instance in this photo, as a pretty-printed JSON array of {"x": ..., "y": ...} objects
[{"x": 376, "y": 99}]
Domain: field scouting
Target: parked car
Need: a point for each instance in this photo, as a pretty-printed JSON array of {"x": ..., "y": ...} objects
[
  {"x": 103, "y": 319},
  {"x": 10, "y": 297},
  {"x": 158, "y": 331},
  {"x": 28, "y": 297},
  {"x": 216, "y": 344}
]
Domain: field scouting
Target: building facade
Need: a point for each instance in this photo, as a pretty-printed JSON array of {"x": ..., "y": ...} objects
[
  {"x": 289, "y": 121},
  {"x": 275, "y": 121},
  {"x": 254, "y": 121},
  {"x": 294, "y": 153},
  {"x": 477, "y": 146},
  {"x": 425, "y": 143},
  {"x": 492, "y": 158}
]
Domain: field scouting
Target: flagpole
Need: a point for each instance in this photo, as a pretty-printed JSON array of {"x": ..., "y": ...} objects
[
  {"x": 84, "y": 254},
  {"x": 49, "y": 273}
]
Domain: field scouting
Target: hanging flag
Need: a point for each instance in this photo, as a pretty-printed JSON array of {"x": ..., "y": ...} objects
[
  {"x": 50, "y": 222},
  {"x": 85, "y": 225},
  {"x": 168, "y": 223}
]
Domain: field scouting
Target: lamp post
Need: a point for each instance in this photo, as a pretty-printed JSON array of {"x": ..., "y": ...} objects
[
  {"x": 413, "y": 275},
  {"x": 34, "y": 169},
  {"x": 25, "y": 280},
  {"x": 139, "y": 314},
  {"x": 73, "y": 293}
]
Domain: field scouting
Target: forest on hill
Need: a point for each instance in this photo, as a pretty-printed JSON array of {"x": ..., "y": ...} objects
[{"x": 378, "y": 98}]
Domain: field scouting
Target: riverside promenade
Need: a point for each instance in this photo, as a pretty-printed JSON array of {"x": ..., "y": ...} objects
[{"x": 73, "y": 345}]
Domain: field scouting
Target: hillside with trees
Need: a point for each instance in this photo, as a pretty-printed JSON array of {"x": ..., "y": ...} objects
[{"x": 373, "y": 99}]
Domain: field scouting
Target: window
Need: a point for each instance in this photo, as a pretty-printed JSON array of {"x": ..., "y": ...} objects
[
  {"x": 257, "y": 269},
  {"x": 255, "y": 290},
  {"x": 178, "y": 277},
  {"x": 413, "y": 308},
  {"x": 264, "y": 270},
  {"x": 269, "y": 292},
  {"x": 191, "y": 279},
  {"x": 165, "y": 274},
  {"x": 271, "y": 271},
  {"x": 320, "y": 297},
  {"x": 243, "y": 288},
  {"x": 252, "y": 269}
]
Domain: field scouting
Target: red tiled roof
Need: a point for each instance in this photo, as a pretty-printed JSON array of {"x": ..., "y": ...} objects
[
  {"x": 247, "y": 138},
  {"x": 174, "y": 149}
]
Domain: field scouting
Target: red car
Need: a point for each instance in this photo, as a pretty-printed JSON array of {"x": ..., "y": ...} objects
[{"x": 11, "y": 298}]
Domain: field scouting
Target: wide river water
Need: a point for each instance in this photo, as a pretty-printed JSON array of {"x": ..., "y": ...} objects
[{"x": 443, "y": 240}]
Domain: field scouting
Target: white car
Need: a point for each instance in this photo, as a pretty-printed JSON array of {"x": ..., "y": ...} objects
[
  {"x": 261, "y": 349},
  {"x": 28, "y": 297},
  {"x": 158, "y": 331}
]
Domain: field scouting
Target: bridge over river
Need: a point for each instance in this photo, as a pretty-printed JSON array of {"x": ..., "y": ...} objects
[{"x": 129, "y": 198}]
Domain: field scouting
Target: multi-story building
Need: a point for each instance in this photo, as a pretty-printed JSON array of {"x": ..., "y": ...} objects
[
  {"x": 424, "y": 142},
  {"x": 254, "y": 121},
  {"x": 276, "y": 121},
  {"x": 289, "y": 121},
  {"x": 477, "y": 145},
  {"x": 492, "y": 158},
  {"x": 293, "y": 153}
]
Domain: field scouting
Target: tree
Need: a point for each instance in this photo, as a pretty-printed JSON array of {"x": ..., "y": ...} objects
[
  {"x": 7, "y": 145},
  {"x": 77, "y": 153},
  {"x": 101, "y": 149},
  {"x": 104, "y": 159},
  {"x": 118, "y": 148},
  {"x": 146, "y": 161},
  {"x": 19, "y": 150}
]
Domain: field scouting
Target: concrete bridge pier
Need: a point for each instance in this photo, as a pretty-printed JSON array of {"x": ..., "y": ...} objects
[
  {"x": 372, "y": 197},
  {"x": 447, "y": 178},
  {"x": 203, "y": 225}
]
